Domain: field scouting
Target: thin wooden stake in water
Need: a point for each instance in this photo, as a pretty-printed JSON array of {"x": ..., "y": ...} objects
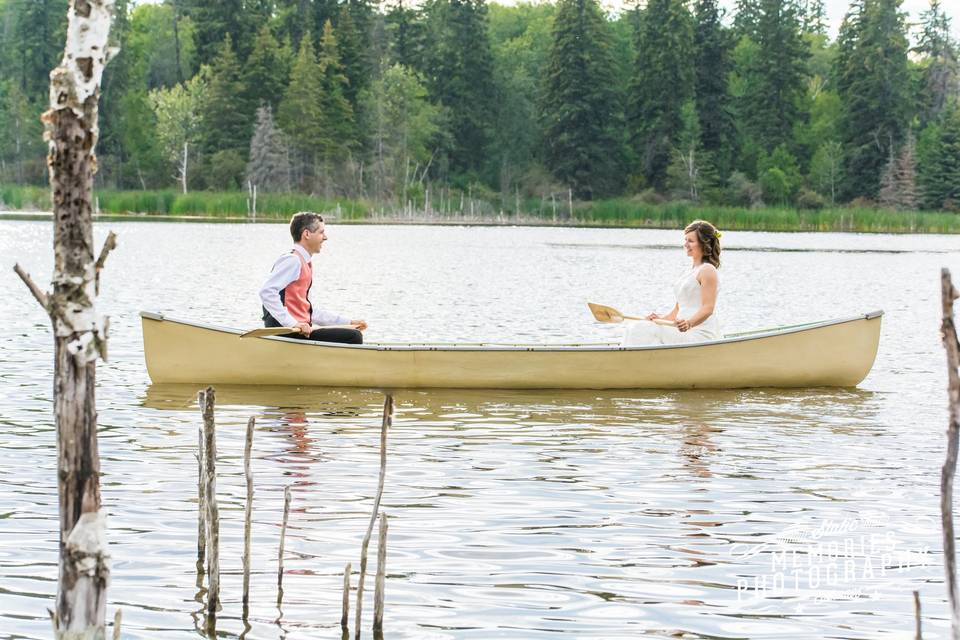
[
  {"x": 207, "y": 401},
  {"x": 949, "y": 335},
  {"x": 201, "y": 505},
  {"x": 380, "y": 582},
  {"x": 283, "y": 539},
  {"x": 387, "y": 421},
  {"x": 916, "y": 610},
  {"x": 247, "y": 516},
  {"x": 345, "y": 616},
  {"x": 116, "y": 624}
]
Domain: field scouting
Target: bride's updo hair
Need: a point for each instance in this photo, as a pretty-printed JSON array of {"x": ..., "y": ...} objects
[{"x": 709, "y": 239}]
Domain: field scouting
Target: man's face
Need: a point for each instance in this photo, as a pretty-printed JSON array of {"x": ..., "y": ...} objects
[{"x": 314, "y": 237}]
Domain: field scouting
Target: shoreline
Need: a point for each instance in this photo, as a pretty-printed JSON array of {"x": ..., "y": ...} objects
[{"x": 574, "y": 223}]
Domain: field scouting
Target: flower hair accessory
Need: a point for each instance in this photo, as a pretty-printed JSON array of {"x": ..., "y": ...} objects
[{"x": 718, "y": 234}]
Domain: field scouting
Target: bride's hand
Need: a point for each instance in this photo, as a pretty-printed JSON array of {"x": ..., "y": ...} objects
[
  {"x": 653, "y": 316},
  {"x": 683, "y": 325}
]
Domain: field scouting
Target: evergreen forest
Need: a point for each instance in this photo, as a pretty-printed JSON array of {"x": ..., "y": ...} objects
[{"x": 670, "y": 101}]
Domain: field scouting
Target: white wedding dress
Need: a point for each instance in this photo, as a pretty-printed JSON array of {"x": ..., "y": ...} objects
[{"x": 688, "y": 293}]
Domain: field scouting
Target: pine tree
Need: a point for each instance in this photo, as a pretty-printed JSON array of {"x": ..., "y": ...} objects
[
  {"x": 939, "y": 165},
  {"x": 898, "y": 182},
  {"x": 746, "y": 18},
  {"x": 215, "y": 21},
  {"x": 941, "y": 69},
  {"x": 581, "y": 117},
  {"x": 663, "y": 81},
  {"x": 352, "y": 47},
  {"x": 406, "y": 36},
  {"x": 267, "y": 72},
  {"x": 873, "y": 84},
  {"x": 226, "y": 117},
  {"x": 337, "y": 113},
  {"x": 815, "y": 17},
  {"x": 776, "y": 77},
  {"x": 301, "y": 113},
  {"x": 713, "y": 45},
  {"x": 459, "y": 74},
  {"x": 269, "y": 166},
  {"x": 691, "y": 173}
]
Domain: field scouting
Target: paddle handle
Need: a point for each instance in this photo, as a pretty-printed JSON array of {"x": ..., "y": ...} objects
[{"x": 660, "y": 321}]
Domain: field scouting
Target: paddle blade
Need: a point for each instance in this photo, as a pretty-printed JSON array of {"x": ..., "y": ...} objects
[
  {"x": 604, "y": 313},
  {"x": 268, "y": 331}
]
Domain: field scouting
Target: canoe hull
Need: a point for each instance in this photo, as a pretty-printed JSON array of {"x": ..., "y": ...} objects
[{"x": 838, "y": 353}]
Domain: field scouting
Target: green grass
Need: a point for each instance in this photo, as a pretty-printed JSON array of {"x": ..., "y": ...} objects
[
  {"x": 676, "y": 215},
  {"x": 198, "y": 203},
  {"x": 613, "y": 212}
]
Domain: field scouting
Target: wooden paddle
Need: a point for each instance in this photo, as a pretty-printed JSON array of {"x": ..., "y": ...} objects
[
  {"x": 603, "y": 313},
  {"x": 279, "y": 331}
]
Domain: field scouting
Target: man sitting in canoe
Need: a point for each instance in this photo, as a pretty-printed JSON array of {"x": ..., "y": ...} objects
[{"x": 286, "y": 293}]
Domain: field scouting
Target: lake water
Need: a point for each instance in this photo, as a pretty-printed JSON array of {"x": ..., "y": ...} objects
[{"x": 702, "y": 514}]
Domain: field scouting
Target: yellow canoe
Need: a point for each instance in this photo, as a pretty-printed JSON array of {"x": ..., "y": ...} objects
[{"x": 834, "y": 353}]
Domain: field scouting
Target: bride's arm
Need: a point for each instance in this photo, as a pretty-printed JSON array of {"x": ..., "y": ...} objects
[
  {"x": 670, "y": 316},
  {"x": 708, "y": 298}
]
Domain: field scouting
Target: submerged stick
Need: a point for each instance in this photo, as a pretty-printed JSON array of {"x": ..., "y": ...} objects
[
  {"x": 387, "y": 421},
  {"x": 380, "y": 582},
  {"x": 207, "y": 400},
  {"x": 283, "y": 539},
  {"x": 949, "y": 334},
  {"x": 345, "y": 616},
  {"x": 247, "y": 516}
]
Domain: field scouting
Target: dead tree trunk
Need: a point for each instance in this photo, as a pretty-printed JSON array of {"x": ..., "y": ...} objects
[
  {"x": 948, "y": 331},
  {"x": 80, "y": 333}
]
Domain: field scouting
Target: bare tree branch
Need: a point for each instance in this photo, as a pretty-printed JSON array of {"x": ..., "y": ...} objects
[
  {"x": 108, "y": 245},
  {"x": 40, "y": 296}
]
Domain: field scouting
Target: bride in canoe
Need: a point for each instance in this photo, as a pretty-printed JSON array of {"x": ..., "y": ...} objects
[{"x": 693, "y": 317}]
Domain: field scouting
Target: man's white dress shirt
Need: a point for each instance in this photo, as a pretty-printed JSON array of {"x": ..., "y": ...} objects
[{"x": 286, "y": 270}]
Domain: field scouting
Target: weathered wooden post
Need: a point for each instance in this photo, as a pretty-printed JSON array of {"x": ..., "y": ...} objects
[
  {"x": 345, "y": 614},
  {"x": 283, "y": 540},
  {"x": 201, "y": 505},
  {"x": 385, "y": 426},
  {"x": 207, "y": 401},
  {"x": 949, "y": 334},
  {"x": 247, "y": 516},
  {"x": 380, "y": 582},
  {"x": 80, "y": 333}
]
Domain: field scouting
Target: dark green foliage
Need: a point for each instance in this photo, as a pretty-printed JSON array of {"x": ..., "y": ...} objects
[
  {"x": 874, "y": 87},
  {"x": 663, "y": 81},
  {"x": 267, "y": 71},
  {"x": 337, "y": 111},
  {"x": 218, "y": 20},
  {"x": 775, "y": 77},
  {"x": 940, "y": 70},
  {"x": 939, "y": 160},
  {"x": 353, "y": 57},
  {"x": 713, "y": 45},
  {"x": 458, "y": 69},
  {"x": 580, "y": 112},
  {"x": 406, "y": 33},
  {"x": 226, "y": 116}
]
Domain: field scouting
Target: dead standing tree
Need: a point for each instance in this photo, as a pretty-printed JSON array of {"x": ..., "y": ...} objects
[{"x": 80, "y": 333}]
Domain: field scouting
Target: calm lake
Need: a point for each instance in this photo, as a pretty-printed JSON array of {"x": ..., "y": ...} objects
[{"x": 704, "y": 514}]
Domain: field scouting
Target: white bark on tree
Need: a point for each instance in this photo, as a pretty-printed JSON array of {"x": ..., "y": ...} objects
[{"x": 80, "y": 333}]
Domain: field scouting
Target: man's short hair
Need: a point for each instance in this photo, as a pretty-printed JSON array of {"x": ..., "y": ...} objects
[{"x": 303, "y": 220}]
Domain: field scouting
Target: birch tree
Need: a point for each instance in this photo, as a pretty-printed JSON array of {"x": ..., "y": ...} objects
[{"x": 80, "y": 332}]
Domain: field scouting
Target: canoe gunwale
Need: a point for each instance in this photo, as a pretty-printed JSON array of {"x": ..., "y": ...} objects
[{"x": 493, "y": 346}]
